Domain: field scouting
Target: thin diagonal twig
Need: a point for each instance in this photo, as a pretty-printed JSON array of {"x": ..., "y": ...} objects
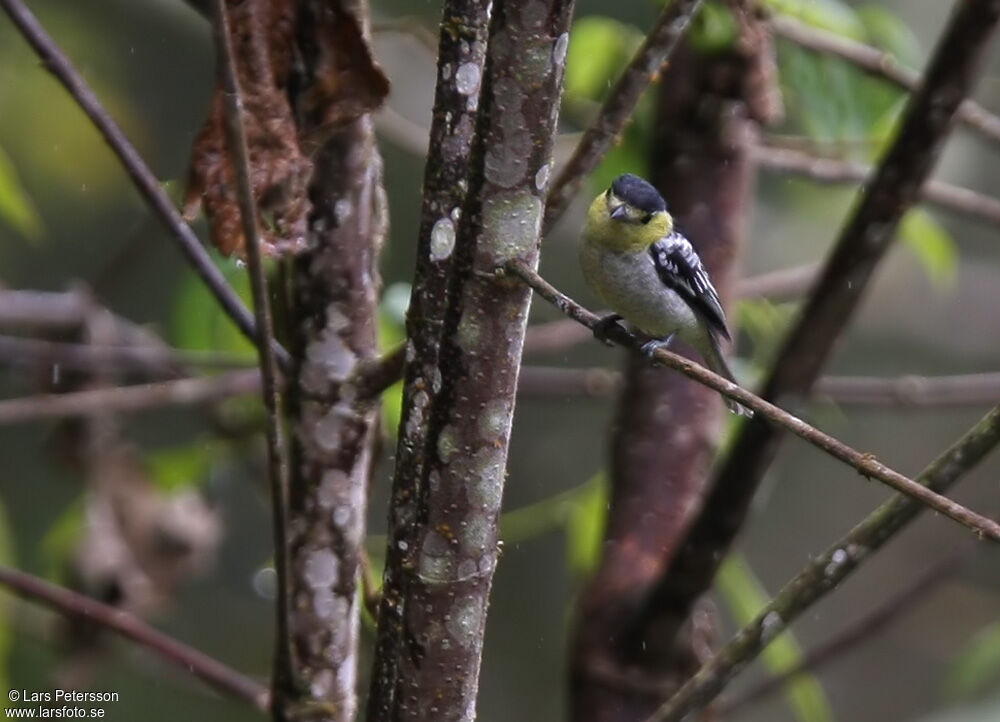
[
  {"x": 616, "y": 110},
  {"x": 865, "y": 464},
  {"x": 71, "y": 604},
  {"x": 60, "y": 66},
  {"x": 878, "y": 63},
  {"x": 826, "y": 571},
  {"x": 831, "y": 170},
  {"x": 277, "y": 450},
  {"x": 858, "y": 632}
]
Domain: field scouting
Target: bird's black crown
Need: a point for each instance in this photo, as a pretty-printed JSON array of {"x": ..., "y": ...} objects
[{"x": 638, "y": 193}]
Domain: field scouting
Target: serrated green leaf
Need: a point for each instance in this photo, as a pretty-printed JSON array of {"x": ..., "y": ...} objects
[
  {"x": 744, "y": 596},
  {"x": 977, "y": 666},
  {"x": 933, "y": 246},
  {"x": 16, "y": 209}
]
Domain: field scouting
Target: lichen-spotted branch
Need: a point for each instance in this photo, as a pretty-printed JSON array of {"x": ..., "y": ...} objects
[{"x": 442, "y": 543}]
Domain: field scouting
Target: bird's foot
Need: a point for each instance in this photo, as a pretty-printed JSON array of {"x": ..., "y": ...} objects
[
  {"x": 651, "y": 347},
  {"x": 603, "y": 327}
]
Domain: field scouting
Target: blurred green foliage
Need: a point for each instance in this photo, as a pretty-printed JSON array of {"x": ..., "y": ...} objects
[
  {"x": 16, "y": 208},
  {"x": 745, "y": 597},
  {"x": 976, "y": 668}
]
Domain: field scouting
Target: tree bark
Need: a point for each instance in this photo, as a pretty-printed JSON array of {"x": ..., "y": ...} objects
[
  {"x": 442, "y": 545},
  {"x": 333, "y": 321},
  {"x": 667, "y": 427}
]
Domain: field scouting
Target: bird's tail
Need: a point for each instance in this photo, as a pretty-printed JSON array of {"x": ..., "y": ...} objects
[{"x": 717, "y": 362}]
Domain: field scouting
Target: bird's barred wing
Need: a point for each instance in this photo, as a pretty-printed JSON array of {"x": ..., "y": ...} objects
[{"x": 678, "y": 266}]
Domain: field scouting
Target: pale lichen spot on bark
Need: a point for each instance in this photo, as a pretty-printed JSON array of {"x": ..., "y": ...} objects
[
  {"x": 511, "y": 222},
  {"x": 770, "y": 625},
  {"x": 442, "y": 239},
  {"x": 484, "y": 486},
  {"x": 322, "y": 569},
  {"x": 469, "y": 333},
  {"x": 559, "y": 50},
  {"x": 464, "y": 622},
  {"x": 322, "y": 683},
  {"x": 476, "y": 534},
  {"x": 331, "y": 486},
  {"x": 467, "y": 78},
  {"x": 447, "y": 445},
  {"x": 327, "y": 430},
  {"x": 542, "y": 177},
  {"x": 494, "y": 421}
]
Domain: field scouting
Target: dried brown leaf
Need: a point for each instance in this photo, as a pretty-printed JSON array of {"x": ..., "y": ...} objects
[
  {"x": 344, "y": 80},
  {"x": 262, "y": 34}
]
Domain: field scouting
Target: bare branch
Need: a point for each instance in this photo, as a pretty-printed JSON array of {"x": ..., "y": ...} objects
[
  {"x": 864, "y": 240},
  {"x": 862, "y": 630},
  {"x": 31, "y": 353},
  {"x": 880, "y": 64},
  {"x": 965, "y": 389},
  {"x": 831, "y": 170},
  {"x": 183, "y": 392},
  {"x": 865, "y": 464},
  {"x": 656, "y": 49},
  {"x": 828, "y": 569},
  {"x": 277, "y": 449},
  {"x": 442, "y": 543},
  {"x": 70, "y": 604},
  {"x": 59, "y": 65}
]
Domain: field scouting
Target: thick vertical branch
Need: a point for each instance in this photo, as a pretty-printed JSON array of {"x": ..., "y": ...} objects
[
  {"x": 442, "y": 543},
  {"x": 665, "y": 437},
  {"x": 462, "y": 46},
  {"x": 862, "y": 244},
  {"x": 335, "y": 296}
]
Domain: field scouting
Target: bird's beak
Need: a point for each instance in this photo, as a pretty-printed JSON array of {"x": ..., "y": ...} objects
[{"x": 619, "y": 213}]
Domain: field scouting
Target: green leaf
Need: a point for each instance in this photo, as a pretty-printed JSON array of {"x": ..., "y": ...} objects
[
  {"x": 833, "y": 15},
  {"x": 182, "y": 467},
  {"x": 391, "y": 333},
  {"x": 16, "y": 208},
  {"x": 714, "y": 29},
  {"x": 745, "y": 597},
  {"x": 61, "y": 539},
  {"x": 886, "y": 30},
  {"x": 976, "y": 668},
  {"x": 585, "y": 526},
  {"x": 197, "y": 320},
  {"x": 599, "y": 48},
  {"x": 932, "y": 245}
]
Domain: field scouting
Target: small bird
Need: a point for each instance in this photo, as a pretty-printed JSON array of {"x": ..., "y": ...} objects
[{"x": 649, "y": 274}]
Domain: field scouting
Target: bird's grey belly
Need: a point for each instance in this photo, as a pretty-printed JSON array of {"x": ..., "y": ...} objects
[{"x": 630, "y": 286}]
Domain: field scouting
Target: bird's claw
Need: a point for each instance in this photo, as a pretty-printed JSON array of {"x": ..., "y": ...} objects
[
  {"x": 603, "y": 327},
  {"x": 651, "y": 347}
]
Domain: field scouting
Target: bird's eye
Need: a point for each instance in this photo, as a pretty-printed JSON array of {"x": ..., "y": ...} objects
[{"x": 647, "y": 218}]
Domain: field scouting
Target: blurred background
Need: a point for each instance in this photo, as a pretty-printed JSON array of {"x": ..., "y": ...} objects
[{"x": 69, "y": 216}]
